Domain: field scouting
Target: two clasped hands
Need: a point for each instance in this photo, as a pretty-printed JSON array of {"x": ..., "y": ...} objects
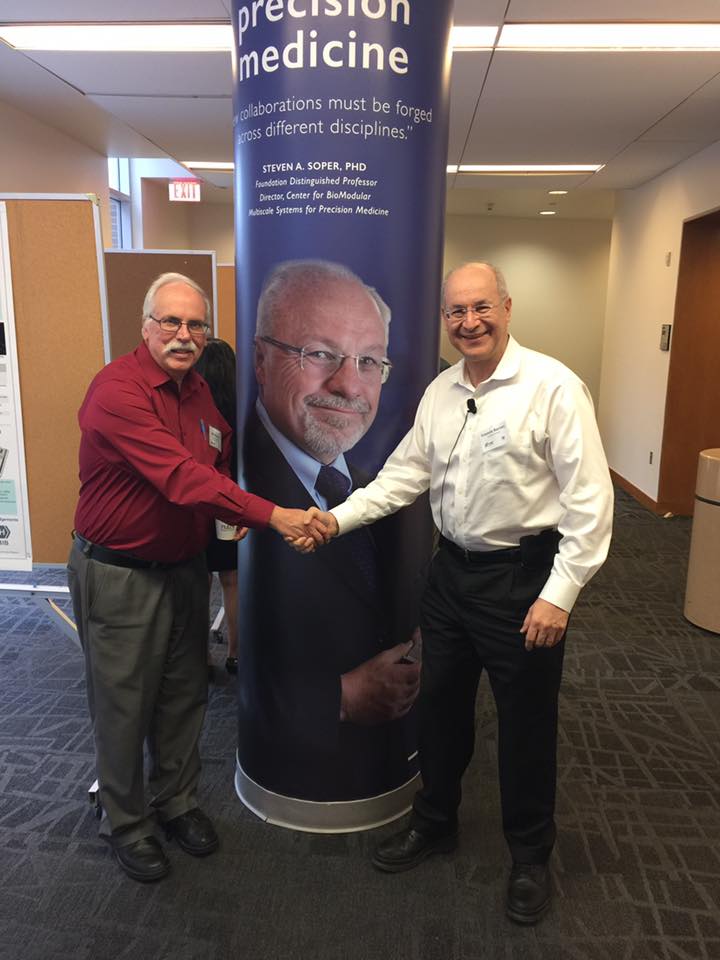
[
  {"x": 311, "y": 529},
  {"x": 302, "y": 529}
]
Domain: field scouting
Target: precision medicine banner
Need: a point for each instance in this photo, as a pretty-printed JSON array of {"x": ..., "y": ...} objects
[{"x": 340, "y": 126}]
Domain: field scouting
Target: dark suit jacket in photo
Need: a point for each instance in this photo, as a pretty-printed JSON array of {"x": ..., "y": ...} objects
[{"x": 307, "y": 619}]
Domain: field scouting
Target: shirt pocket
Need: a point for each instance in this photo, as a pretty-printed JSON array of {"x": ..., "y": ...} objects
[{"x": 507, "y": 462}]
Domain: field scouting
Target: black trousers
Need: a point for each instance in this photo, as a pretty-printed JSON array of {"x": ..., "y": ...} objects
[{"x": 470, "y": 618}]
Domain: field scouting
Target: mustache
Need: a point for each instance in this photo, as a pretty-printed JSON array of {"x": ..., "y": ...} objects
[
  {"x": 181, "y": 347},
  {"x": 350, "y": 404}
]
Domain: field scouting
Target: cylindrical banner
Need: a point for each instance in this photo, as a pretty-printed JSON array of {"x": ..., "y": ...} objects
[{"x": 341, "y": 111}]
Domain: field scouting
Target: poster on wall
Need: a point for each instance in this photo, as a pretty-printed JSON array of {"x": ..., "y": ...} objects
[
  {"x": 15, "y": 547},
  {"x": 341, "y": 111}
]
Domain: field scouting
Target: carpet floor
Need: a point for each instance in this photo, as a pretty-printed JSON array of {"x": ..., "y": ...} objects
[{"x": 637, "y": 863}]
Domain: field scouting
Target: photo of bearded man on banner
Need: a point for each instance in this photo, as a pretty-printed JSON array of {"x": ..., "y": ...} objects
[{"x": 327, "y": 687}]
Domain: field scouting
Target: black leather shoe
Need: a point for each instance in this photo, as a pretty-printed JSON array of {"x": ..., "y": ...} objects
[
  {"x": 407, "y": 849},
  {"x": 194, "y": 832},
  {"x": 143, "y": 860},
  {"x": 231, "y": 665},
  {"x": 528, "y": 893}
]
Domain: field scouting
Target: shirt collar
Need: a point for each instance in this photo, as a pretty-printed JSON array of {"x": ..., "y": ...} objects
[{"x": 509, "y": 362}]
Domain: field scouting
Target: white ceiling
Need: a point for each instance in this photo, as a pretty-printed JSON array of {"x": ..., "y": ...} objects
[{"x": 638, "y": 113}]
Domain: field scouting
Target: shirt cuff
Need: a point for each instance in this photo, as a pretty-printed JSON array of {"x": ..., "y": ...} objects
[
  {"x": 560, "y": 592},
  {"x": 346, "y": 517},
  {"x": 256, "y": 512}
]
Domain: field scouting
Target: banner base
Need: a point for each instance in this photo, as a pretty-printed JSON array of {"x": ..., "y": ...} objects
[{"x": 345, "y": 816}]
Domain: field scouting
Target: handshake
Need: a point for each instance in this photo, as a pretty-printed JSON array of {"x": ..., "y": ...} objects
[{"x": 304, "y": 529}]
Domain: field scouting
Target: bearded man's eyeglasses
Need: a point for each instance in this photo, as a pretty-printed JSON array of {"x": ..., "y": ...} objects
[{"x": 325, "y": 361}]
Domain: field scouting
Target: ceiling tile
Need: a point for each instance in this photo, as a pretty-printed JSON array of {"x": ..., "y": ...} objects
[
  {"x": 642, "y": 161},
  {"x": 31, "y": 89},
  {"x": 157, "y": 74},
  {"x": 186, "y": 129},
  {"x": 578, "y": 107},
  {"x": 479, "y": 12},
  {"x": 99, "y": 11},
  {"x": 698, "y": 118},
  {"x": 549, "y": 11},
  {"x": 468, "y": 71}
]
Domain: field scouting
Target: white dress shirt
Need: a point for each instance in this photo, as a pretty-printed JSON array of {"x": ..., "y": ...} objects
[{"x": 530, "y": 458}]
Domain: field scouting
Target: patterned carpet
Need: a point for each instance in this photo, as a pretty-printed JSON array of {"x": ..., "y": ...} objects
[{"x": 637, "y": 865}]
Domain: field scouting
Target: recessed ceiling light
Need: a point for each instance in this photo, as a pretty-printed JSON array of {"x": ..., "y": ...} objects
[
  {"x": 207, "y": 165},
  {"x": 529, "y": 168},
  {"x": 547, "y": 213},
  {"x": 557, "y": 193},
  {"x": 120, "y": 36},
  {"x": 609, "y": 36},
  {"x": 473, "y": 38}
]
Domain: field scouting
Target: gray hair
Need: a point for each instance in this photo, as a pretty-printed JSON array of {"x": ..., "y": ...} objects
[
  {"x": 302, "y": 278},
  {"x": 502, "y": 286},
  {"x": 162, "y": 281}
]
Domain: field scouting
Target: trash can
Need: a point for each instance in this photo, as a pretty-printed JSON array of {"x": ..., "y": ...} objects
[{"x": 702, "y": 594}]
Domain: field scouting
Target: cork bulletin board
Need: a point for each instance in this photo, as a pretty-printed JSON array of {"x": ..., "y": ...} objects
[
  {"x": 128, "y": 275},
  {"x": 54, "y": 249},
  {"x": 226, "y": 302}
]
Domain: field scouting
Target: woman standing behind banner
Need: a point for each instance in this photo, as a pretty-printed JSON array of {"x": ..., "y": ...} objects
[{"x": 217, "y": 366}]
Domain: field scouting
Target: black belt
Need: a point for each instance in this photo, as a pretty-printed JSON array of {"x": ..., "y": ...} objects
[
  {"x": 533, "y": 549},
  {"x": 93, "y": 551},
  {"x": 504, "y": 555}
]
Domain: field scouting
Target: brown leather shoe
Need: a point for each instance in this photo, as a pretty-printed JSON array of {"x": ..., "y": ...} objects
[
  {"x": 528, "y": 893},
  {"x": 143, "y": 860},
  {"x": 194, "y": 832},
  {"x": 407, "y": 849}
]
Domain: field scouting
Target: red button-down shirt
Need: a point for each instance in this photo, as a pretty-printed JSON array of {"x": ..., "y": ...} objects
[{"x": 151, "y": 482}]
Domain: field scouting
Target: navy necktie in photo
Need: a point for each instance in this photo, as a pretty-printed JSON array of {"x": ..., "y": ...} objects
[{"x": 334, "y": 486}]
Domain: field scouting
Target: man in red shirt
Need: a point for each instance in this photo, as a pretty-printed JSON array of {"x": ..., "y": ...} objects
[{"x": 154, "y": 475}]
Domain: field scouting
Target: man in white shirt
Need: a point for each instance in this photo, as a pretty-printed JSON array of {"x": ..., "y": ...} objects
[{"x": 507, "y": 443}]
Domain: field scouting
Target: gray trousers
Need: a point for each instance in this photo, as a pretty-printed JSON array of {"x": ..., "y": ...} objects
[{"x": 144, "y": 635}]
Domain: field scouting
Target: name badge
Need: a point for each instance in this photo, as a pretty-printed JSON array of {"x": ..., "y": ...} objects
[
  {"x": 215, "y": 438},
  {"x": 494, "y": 437}
]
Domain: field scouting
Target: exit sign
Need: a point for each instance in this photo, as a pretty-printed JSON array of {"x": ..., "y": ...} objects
[{"x": 186, "y": 191}]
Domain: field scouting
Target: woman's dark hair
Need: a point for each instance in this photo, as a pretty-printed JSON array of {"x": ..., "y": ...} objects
[{"x": 217, "y": 366}]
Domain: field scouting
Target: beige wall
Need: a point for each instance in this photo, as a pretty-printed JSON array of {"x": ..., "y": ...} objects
[
  {"x": 212, "y": 228},
  {"x": 641, "y": 297},
  {"x": 165, "y": 225},
  {"x": 36, "y": 158},
  {"x": 557, "y": 276}
]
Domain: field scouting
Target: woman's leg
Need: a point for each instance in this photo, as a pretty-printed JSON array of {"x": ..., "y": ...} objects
[{"x": 229, "y": 584}]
